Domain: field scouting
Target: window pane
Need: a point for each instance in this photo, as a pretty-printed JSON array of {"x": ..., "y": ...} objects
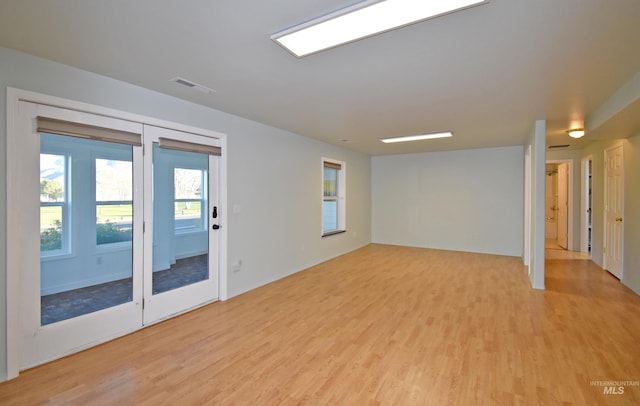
[
  {"x": 87, "y": 281},
  {"x": 52, "y": 197},
  {"x": 52, "y": 178},
  {"x": 330, "y": 215},
  {"x": 114, "y": 210},
  {"x": 330, "y": 182},
  {"x": 113, "y": 180},
  {"x": 188, "y": 183},
  {"x": 114, "y": 223},
  {"x": 180, "y": 240},
  {"x": 50, "y": 228},
  {"x": 188, "y": 206}
]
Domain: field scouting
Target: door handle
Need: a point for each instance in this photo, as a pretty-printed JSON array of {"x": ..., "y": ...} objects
[
  {"x": 215, "y": 227},
  {"x": 619, "y": 219},
  {"x": 214, "y": 214}
]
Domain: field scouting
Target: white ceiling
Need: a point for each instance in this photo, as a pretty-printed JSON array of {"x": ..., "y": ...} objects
[{"x": 486, "y": 73}]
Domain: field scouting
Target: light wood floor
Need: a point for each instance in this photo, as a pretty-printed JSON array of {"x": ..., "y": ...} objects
[
  {"x": 382, "y": 325},
  {"x": 555, "y": 251}
]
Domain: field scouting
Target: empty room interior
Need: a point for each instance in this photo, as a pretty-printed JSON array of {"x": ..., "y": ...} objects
[{"x": 440, "y": 207}]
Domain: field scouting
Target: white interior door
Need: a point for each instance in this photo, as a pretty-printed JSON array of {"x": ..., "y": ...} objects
[
  {"x": 613, "y": 210},
  {"x": 563, "y": 204},
  {"x": 182, "y": 218},
  {"x": 81, "y": 279}
]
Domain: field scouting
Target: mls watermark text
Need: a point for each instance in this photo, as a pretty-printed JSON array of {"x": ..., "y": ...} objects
[{"x": 614, "y": 387}]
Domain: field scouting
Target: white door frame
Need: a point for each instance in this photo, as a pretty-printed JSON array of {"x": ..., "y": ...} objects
[
  {"x": 527, "y": 208},
  {"x": 570, "y": 219},
  {"x": 584, "y": 218},
  {"x": 14, "y": 277}
]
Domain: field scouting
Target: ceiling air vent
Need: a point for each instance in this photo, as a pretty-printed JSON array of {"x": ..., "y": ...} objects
[
  {"x": 557, "y": 146},
  {"x": 192, "y": 85}
]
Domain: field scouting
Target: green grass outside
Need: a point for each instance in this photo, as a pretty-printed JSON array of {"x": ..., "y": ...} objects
[
  {"x": 192, "y": 211},
  {"x": 113, "y": 213},
  {"x": 48, "y": 215}
]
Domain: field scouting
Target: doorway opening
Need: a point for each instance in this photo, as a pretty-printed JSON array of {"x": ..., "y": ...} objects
[{"x": 559, "y": 203}]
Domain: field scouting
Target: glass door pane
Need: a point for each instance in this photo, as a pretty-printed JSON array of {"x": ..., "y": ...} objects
[
  {"x": 86, "y": 226},
  {"x": 180, "y": 234}
]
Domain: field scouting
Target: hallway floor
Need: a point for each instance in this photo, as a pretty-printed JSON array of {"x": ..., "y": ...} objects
[{"x": 555, "y": 251}]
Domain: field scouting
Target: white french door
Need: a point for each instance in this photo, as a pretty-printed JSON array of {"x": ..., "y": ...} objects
[
  {"x": 128, "y": 219},
  {"x": 82, "y": 279},
  {"x": 181, "y": 222}
]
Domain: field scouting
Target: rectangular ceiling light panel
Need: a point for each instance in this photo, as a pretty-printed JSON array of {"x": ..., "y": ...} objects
[
  {"x": 417, "y": 137},
  {"x": 363, "y": 20}
]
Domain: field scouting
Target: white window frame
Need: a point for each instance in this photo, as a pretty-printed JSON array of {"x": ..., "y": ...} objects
[
  {"x": 112, "y": 246},
  {"x": 341, "y": 197},
  {"x": 203, "y": 202},
  {"x": 65, "y": 250}
]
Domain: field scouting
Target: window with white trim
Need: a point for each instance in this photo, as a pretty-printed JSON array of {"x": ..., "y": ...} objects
[
  {"x": 54, "y": 208},
  {"x": 333, "y": 197},
  {"x": 113, "y": 200},
  {"x": 86, "y": 188},
  {"x": 190, "y": 203}
]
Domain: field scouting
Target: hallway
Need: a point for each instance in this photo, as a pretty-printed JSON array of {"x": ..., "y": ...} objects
[{"x": 554, "y": 251}]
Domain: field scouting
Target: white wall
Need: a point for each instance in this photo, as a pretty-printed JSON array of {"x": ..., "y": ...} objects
[
  {"x": 276, "y": 187},
  {"x": 536, "y": 143},
  {"x": 631, "y": 260},
  {"x": 274, "y": 177},
  {"x": 468, "y": 200}
]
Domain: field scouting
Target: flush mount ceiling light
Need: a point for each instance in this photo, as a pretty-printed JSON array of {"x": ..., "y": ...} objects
[
  {"x": 576, "y": 132},
  {"x": 417, "y": 137},
  {"x": 363, "y": 20}
]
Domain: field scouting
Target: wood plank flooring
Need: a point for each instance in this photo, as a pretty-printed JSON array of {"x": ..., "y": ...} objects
[{"x": 382, "y": 325}]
